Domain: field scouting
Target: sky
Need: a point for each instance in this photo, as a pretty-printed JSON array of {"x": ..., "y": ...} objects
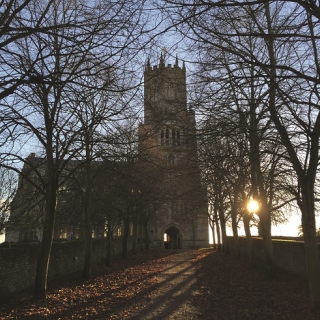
[{"x": 288, "y": 229}]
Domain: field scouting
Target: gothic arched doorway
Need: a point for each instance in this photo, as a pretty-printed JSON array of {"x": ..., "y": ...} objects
[{"x": 172, "y": 237}]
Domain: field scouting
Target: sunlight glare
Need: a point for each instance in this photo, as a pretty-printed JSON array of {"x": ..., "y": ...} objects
[{"x": 253, "y": 206}]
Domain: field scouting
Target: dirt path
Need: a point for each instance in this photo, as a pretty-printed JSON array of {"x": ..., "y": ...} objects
[{"x": 173, "y": 298}]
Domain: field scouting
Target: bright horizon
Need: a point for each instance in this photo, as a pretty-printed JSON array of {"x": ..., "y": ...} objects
[{"x": 288, "y": 229}]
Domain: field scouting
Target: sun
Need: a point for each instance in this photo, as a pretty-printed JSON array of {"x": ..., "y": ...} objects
[{"x": 253, "y": 206}]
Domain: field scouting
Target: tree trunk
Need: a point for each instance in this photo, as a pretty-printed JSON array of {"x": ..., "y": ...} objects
[
  {"x": 87, "y": 211},
  {"x": 141, "y": 234},
  {"x": 257, "y": 181},
  {"x": 40, "y": 285},
  {"x": 265, "y": 218},
  {"x": 218, "y": 230},
  {"x": 236, "y": 247},
  {"x": 134, "y": 235},
  {"x": 212, "y": 226},
  {"x": 225, "y": 245},
  {"x": 88, "y": 249},
  {"x": 126, "y": 236},
  {"x": 109, "y": 245},
  {"x": 310, "y": 242},
  {"x": 250, "y": 248},
  {"x": 259, "y": 192},
  {"x": 146, "y": 236}
]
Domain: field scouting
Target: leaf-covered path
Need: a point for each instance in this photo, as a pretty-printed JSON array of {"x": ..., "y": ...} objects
[
  {"x": 174, "y": 297},
  {"x": 163, "y": 284}
]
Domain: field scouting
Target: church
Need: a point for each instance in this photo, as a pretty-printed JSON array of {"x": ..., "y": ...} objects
[
  {"x": 175, "y": 210},
  {"x": 168, "y": 142}
]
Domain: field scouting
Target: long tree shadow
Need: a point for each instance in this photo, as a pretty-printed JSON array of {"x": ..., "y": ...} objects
[
  {"x": 170, "y": 299},
  {"x": 21, "y": 305},
  {"x": 134, "y": 292},
  {"x": 119, "y": 300},
  {"x": 176, "y": 294}
]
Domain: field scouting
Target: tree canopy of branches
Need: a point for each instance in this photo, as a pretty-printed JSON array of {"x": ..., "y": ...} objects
[
  {"x": 52, "y": 51},
  {"x": 272, "y": 49}
]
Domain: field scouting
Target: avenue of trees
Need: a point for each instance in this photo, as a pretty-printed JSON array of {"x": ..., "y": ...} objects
[
  {"x": 258, "y": 78},
  {"x": 69, "y": 84}
]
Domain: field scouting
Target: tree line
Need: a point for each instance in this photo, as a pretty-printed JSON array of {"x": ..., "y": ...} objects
[
  {"x": 67, "y": 85},
  {"x": 256, "y": 88}
]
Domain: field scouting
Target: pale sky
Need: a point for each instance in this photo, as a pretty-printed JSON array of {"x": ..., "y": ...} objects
[{"x": 287, "y": 229}]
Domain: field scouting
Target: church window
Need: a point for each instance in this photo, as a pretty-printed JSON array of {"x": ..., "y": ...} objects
[
  {"x": 178, "y": 138},
  {"x": 117, "y": 232},
  {"x": 62, "y": 234},
  {"x": 170, "y": 137}
]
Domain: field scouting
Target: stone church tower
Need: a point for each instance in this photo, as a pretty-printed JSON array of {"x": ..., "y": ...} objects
[{"x": 168, "y": 151}]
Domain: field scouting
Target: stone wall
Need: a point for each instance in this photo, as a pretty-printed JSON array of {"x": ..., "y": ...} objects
[
  {"x": 18, "y": 264},
  {"x": 288, "y": 254}
]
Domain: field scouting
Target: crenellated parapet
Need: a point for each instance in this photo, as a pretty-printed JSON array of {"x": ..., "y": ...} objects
[{"x": 149, "y": 68}]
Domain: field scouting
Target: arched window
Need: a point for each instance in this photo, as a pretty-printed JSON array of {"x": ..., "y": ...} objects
[
  {"x": 170, "y": 137},
  {"x": 178, "y": 138},
  {"x": 167, "y": 137},
  {"x": 170, "y": 179},
  {"x": 173, "y": 137}
]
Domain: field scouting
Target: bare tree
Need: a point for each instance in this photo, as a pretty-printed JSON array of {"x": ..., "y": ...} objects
[
  {"x": 213, "y": 156},
  {"x": 8, "y": 188},
  {"x": 96, "y": 111},
  {"x": 42, "y": 111}
]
